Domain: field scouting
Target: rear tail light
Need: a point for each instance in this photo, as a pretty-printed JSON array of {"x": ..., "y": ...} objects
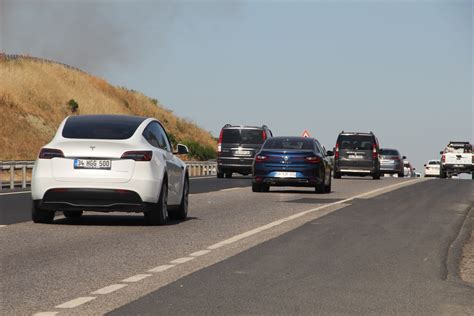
[
  {"x": 264, "y": 135},
  {"x": 443, "y": 158},
  {"x": 374, "y": 151},
  {"x": 219, "y": 144},
  {"x": 138, "y": 155},
  {"x": 336, "y": 151},
  {"x": 261, "y": 158},
  {"x": 314, "y": 159},
  {"x": 48, "y": 153}
]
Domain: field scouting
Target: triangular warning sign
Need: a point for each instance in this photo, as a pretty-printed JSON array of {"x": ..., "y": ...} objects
[{"x": 306, "y": 134}]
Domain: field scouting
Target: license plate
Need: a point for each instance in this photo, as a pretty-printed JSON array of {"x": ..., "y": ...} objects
[
  {"x": 285, "y": 174},
  {"x": 243, "y": 152},
  {"x": 92, "y": 164},
  {"x": 387, "y": 161},
  {"x": 355, "y": 157}
]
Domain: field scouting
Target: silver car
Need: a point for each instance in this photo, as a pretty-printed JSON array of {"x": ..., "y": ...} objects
[{"x": 391, "y": 162}]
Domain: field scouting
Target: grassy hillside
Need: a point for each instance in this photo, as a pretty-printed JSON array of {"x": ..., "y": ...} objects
[{"x": 35, "y": 96}]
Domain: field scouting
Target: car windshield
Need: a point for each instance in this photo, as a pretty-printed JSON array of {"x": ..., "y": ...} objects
[
  {"x": 101, "y": 126},
  {"x": 289, "y": 144},
  {"x": 355, "y": 142},
  {"x": 242, "y": 136},
  {"x": 388, "y": 152}
]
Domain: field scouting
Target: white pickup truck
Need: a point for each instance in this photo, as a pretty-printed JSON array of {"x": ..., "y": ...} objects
[{"x": 456, "y": 158}]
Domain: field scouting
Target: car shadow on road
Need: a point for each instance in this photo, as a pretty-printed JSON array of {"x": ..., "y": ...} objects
[
  {"x": 113, "y": 220},
  {"x": 313, "y": 201}
]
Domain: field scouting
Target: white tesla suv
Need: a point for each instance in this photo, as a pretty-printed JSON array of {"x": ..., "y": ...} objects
[{"x": 108, "y": 163}]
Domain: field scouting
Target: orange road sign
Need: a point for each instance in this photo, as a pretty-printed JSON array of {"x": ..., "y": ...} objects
[{"x": 306, "y": 134}]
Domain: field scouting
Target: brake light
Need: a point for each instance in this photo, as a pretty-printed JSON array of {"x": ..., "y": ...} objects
[
  {"x": 264, "y": 135},
  {"x": 138, "y": 155},
  {"x": 48, "y": 153},
  {"x": 443, "y": 158},
  {"x": 219, "y": 144},
  {"x": 336, "y": 152},
  {"x": 261, "y": 158},
  {"x": 314, "y": 159},
  {"x": 374, "y": 151}
]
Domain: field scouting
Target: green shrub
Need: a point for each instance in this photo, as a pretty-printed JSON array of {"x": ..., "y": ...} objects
[
  {"x": 73, "y": 105},
  {"x": 200, "y": 152}
]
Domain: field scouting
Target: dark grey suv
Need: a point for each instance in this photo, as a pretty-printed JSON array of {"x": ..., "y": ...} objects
[
  {"x": 357, "y": 154},
  {"x": 237, "y": 148}
]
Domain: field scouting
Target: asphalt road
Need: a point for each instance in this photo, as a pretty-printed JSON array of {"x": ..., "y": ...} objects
[
  {"x": 15, "y": 207},
  {"x": 385, "y": 255},
  {"x": 103, "y": 263}
]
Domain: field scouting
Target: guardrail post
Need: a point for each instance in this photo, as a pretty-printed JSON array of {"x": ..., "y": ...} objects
[
  {"x": 23, "y": 176},
  {"x": 12, "y": 177}
]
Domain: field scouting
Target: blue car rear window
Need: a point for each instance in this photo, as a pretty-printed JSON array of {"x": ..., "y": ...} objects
[{"x": 289, "y": 144}]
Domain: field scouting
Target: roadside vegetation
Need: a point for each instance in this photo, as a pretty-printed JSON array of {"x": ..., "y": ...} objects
[{"x": 36, "y": 96}]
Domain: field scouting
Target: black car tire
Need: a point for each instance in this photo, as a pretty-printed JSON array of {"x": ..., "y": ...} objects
[
  {"x": 337, "y": 175},
  {"x": 158, "y": 213},
  {"x": 181, "y": 213},
  {"x": 220, "y": 174},
  {"x": 72, "y": 214},
  {"x": 41, "y": 216},
  {"x": 401, "y": 174},
  {"x": 376, "y": 176},
  {"x": 321, "y": 187},
  {"x": 442, "y": 174},
  {"x": 327, "y": 188},
  {"x": 260, "y": 187},
  {"x": 228, "y": 175}
]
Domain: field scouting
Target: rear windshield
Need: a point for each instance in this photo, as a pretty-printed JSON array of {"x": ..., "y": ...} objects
[
  {"x": 289, "y": 144},
  {"x": 388, "y": 152},
  {"x": 101, "y": 126},
  {"x": 434, "y": 162},
  {"x": 355, "y": 142},
  {"x": 242, "y": 136}
]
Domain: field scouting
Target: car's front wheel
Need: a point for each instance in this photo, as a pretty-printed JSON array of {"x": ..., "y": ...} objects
[
  {"x": 69, "y": 214},
  {"x": 41, "y": 216},
  {"x": 158, "y": 213},
  {"x": 327, "y": 188},
  {"x": 228, "y": 175},
  {"x": 181, "y": 213},
  {"x": 337, "y": 175}
]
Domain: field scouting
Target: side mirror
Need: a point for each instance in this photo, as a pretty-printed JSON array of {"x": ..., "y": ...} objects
[
  {"x": 424, "y": 165},
  {"x": 182, "y": 149},
  {"x": 414, "y": 169},
  {"x": 404, "y": 157},
  {"x": 441, "y": 152},
  {"x": 330, "y": 153}
]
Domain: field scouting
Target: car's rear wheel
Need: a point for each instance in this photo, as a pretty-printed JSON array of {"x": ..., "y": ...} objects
[
  {"x": 442, "y": 174},
  {"x": 260, "y": 187},
  {"x": 321, "y": 187},
  {"x": 337, "y": 175},
  {"x": 69, "y": 214},
  {"x": 376, "y": 176},
  {"x": 327, "y": 188},
  {"x": 41, "y": 216},
  {"x": 158, "y": 213},
  {"x": 181, "y": 213},
  {"x": 228, "y": 175},
  {"x": 220, "y": 174},
  {"x": 400, "y": 174}
]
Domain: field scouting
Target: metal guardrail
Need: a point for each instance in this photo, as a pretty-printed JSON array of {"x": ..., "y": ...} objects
[{"x": 15, "y": 181}]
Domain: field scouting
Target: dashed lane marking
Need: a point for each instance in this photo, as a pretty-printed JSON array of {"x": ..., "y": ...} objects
[
  {"x": 136, "y": 278},
  {"x": 181, "y": 260},
  {"x": 77, "y": 302},
  {"x": 46, "y": 314},
  {"x": 200, "y": 253},
  {"x": 162, "y": 268},
  {"x": 109, "y": 289}
]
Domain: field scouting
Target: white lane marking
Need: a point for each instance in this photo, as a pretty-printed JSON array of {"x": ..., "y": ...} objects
[
  {"x": 109, "y": 289},
  {"x": 181, "y": 260},
  {"x": 136, "y": 278},
  {"x": 162, "y": 268},
  {"x": 46, "y": 314},
  {"x": 232, "y": 189},
  {"x": 200, "y": 253},
  {"x": 297, "y": 215},
  {"x": 197, "y": 178},
  {"x": 11, "y": 193},
  {"x": 76, "y": 302},
  {"x": 3, "y": 226}
]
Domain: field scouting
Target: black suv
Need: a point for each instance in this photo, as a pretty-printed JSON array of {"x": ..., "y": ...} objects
[
  {"x": 237, "y": 147},
  {"x": 356, "y": 154}
]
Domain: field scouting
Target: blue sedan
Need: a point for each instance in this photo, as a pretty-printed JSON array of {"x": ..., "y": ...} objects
[{"x": 292, "y": 161}]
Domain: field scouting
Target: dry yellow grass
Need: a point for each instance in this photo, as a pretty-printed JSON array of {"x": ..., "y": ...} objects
[{"x": 34, "y": 97}]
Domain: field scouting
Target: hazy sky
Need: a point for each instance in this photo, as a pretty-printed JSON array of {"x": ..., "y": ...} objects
[{"x": 402, "y": 69}]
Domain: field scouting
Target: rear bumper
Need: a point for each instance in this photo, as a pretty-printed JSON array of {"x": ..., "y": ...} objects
[
  {"x": 296, "y": 182},
  {"x": 235, "y": 164},
  {"x": 84, "y": 199},
  {"x": 357, "y": 168},
  {"x": 458, "y": 168}
]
